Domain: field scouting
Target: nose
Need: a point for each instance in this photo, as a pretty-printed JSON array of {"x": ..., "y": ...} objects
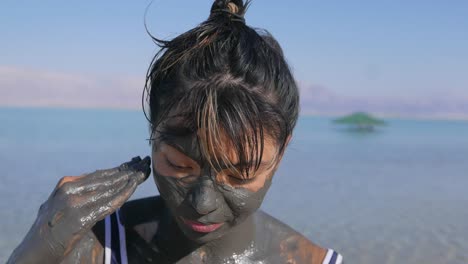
[{"x": 203, "y": 197}]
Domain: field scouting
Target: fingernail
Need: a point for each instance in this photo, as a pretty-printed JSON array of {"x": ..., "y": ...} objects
[{"x": 146, "y": 173}]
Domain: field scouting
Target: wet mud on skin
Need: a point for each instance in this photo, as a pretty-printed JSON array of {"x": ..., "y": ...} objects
[
  {"x": 244, "y": 237},
  {"x": 203, "y": 199},
  {"x": 271, "y": 241},
  {"x": 154, "y": 232},
  {"x": 88, "y": 250},
  {"x": 232, "y": 208},
  {"x": 63, "y": 225}
]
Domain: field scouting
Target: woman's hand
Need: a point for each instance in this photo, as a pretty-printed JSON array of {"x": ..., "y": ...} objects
[{"x": 75, "y": 206}]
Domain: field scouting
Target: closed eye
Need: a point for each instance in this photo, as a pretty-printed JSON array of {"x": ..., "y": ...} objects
[
  {"x": 178, "y": 167},
  {"x": 239, "y": 180}
]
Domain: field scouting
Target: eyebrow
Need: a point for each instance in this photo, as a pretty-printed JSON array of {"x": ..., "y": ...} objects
[
  {"x": 176, "y": 146},
  {"x": 242, "y": 166},
  {"x": 170, "y": 140}
]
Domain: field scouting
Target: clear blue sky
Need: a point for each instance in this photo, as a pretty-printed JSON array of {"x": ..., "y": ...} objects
[{"x": 365, "y": 48}]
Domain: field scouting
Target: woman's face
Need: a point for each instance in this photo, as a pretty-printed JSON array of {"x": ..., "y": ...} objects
[{"x": 206, "y": 204}]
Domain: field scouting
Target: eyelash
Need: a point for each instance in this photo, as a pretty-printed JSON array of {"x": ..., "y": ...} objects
[
  {"x": 236, "y": 179},
  {"x": 176, "y": 166},
  {"x": 242, "y": 181}
]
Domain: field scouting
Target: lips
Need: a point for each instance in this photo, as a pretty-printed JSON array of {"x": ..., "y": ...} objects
[{"x": 201, "y": 228}]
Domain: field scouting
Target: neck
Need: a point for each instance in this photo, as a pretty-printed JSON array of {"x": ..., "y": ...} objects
[{"x": 173, "y": 243}]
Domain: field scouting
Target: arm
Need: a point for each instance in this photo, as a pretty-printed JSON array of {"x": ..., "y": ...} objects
[
  {"x": 74, "y": 207},
  {"x": 90, "y": 249}
]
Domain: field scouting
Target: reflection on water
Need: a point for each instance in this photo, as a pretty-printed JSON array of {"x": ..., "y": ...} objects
[{"x": 393, "y": 196}]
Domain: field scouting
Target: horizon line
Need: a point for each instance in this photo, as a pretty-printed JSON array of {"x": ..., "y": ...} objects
[{"x": 303, "y": 114}]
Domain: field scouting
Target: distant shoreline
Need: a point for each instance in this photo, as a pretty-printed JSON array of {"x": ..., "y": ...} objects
[
  {"x": 439, "y": 117},
  {"x": 396, "y": 116}
]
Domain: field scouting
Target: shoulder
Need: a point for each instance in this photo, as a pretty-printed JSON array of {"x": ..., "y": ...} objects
[{"x": 293, "y": 246}]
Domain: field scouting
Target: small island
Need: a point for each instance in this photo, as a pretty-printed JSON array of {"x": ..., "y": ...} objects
[{"x": 360, "y": 121}]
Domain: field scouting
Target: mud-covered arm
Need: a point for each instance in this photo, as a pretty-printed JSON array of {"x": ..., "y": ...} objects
[
  {"x": 90, "y": 249},
  {"x": 74, "y": 207}
]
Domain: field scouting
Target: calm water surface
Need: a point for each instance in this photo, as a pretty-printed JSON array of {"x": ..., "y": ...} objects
[{"x": 398, "y": 195}]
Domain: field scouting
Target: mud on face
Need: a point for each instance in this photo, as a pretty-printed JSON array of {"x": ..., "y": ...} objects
[{"x": 196, "y": 191}]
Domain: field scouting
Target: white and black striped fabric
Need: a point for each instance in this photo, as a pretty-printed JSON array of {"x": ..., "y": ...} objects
[{"x": 115, "y": 250}]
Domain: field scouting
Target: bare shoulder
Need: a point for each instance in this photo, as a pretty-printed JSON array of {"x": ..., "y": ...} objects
[{"x": 292, "y": 246}]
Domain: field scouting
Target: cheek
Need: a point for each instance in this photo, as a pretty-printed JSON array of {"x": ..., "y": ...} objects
[
  {"x": 258, "y": 184},
  {"x": 171, "y": 193},
  {"x": 260, "y": 181},
  {"x": 244, "y": 202},
  {"x": 159, "y": 165}
]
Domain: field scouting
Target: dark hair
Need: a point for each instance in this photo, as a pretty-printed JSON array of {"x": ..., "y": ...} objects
[{"x": 227, "y": 82}]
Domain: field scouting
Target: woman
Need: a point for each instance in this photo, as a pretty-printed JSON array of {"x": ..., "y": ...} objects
[{"x": 223, "y": 104}]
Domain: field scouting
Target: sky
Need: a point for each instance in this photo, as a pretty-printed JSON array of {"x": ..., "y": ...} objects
[{"x": 396, "y": 58}]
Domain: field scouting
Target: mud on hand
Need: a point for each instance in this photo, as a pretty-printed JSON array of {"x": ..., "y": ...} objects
[{"x": 78, "y": 203}]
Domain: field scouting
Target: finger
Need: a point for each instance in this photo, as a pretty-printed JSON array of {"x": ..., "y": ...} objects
[
  {"x": 66, "y": 179},
  {"x": 126, "y": 165},
  {"x": 98, "y": 197},
  {"x": 93, "y": 208},
  {"x": 91, "y": 184},
  {"x": 112, "y": 203},
  {"x": 142, "y": 169},
  {"x": 121, "y": 167},
  {"x": 84, "y": 185},
  {"x": 74, "y": 188},
  {"x": 124, "y": 194}
]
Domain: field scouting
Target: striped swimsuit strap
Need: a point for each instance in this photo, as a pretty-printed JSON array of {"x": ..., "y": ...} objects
[
  {"x": 332, "y": 257},
  {"x": 115, "y": 251}
]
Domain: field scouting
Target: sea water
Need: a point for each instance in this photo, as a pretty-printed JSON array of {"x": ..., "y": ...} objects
[{"x": 396, "y": 195}]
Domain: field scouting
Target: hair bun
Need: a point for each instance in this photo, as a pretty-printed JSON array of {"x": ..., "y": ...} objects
[{"x": 234, "y": 9}]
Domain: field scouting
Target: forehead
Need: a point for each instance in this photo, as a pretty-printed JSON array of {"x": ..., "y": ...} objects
[{"x": 180, "y": 134}]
